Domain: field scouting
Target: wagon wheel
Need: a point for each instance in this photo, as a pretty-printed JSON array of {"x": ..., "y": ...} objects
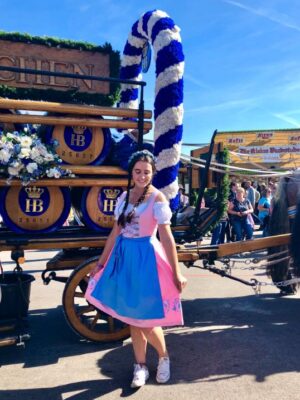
[{"x": 85, "y": 319}]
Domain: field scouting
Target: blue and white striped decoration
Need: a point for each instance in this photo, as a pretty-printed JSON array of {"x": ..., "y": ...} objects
[{"x": 158, "y": 29}]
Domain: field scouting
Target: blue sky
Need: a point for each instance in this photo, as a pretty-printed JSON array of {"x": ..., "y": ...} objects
[{"x": 242, "y": 67}]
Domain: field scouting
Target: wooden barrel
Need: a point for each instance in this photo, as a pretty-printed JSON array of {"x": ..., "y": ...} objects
[
  {"x": 34, "y": 209},
  {"x": 95, "y": 206},
  {"x": 81, "y": 145}
]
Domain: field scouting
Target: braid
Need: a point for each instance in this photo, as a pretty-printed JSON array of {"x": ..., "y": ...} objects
[
  {"x": 143, "y": 155},
  {"x": 136, "y": 204},
  {"x": 122, "y": 219}
]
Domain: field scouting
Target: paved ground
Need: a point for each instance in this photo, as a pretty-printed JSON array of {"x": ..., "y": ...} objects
[{"x": 234, "y": 345}]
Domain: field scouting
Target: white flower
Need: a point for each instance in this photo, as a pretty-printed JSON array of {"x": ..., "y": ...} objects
[
  {"x": 25, "y": 152},
  {"x": 26, "y": 141},
  {"x": 16, "y": 164},
  {"x": 53, "y": 173},
  {"x": 14, "y": 171},
  {"x": 4, "y": 156},
  {"x": 31, "y": 167},
  {"x": 48, "y": 157},
  {"x": 12, "y": 136},
  {"x": 42, "y": 150},
  {"x": 34, "y": 153}
]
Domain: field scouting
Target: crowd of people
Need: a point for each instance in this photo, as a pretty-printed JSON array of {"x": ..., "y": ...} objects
[{"x": 249, "y": 204}]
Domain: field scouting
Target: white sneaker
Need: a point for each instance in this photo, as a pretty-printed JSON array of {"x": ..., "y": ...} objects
[
  {"x": 163, "y": 370},
  {"x": 140, "y": 375}
]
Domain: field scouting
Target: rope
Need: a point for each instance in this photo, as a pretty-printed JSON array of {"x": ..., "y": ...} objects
[
  {"x": 262, "y": 173},
  {"x": 234, "y": 167}
]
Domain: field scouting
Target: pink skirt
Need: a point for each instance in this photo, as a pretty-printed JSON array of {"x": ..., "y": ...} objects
[{"x": 121, "y": 286}]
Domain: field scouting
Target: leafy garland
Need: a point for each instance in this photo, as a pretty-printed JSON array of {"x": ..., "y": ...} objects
[
  {"x": 219, "y": 195},
  {"x": 69, "y": 96},
  {"x": 223, "y": 187}
]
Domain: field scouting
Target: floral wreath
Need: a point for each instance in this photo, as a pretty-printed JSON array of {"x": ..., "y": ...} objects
[{"x": 25, "y": 157}]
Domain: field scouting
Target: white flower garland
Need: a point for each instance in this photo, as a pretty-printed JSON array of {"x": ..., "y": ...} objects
[{"x": 157, "y": 28}]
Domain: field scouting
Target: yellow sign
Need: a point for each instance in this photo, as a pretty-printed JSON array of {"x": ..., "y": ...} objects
[{"x": 275, "y": 148}]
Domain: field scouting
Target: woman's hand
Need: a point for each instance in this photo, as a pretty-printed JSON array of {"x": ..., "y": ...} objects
[
  {"x": 180, "y": 281},
  {"x": 96, "y": 270}
]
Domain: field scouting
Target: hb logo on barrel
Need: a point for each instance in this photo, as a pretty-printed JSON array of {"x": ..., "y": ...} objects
[
  {"x": 110, "y": 201},
  {"x": 77, "y": 136},
  {"x": 33, "y": 202}
]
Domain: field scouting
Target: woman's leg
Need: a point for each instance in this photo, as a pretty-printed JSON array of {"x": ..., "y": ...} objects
[
  {"x": 223, "y": 231},
  {"x": 237, "y": 225},
  {"x": 216, "y": 234},
  {"x": 156, "y": 338},
  {"x": 139, "y": 344}
]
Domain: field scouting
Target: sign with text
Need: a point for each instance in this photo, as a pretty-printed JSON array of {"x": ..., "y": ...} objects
[
  {"x": 53, "y": 59},
  {"x": 270, "y": 153},
  {"x": 280, "y": 148}
]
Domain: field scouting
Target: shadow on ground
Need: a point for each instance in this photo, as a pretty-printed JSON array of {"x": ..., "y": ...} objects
[{"x": 222, "y": 339}]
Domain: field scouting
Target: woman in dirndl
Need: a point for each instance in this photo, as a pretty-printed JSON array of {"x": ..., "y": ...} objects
[{"x": 137, "y": 279}]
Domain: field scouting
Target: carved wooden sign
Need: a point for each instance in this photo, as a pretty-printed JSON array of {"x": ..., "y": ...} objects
[{"x": 54, "y": 59}]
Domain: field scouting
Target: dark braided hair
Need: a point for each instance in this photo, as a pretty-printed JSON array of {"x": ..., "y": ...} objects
[{"x": 146, "y": 156}]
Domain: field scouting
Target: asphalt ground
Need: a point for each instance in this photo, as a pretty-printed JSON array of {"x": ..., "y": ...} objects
[{"x": 234, "y": 345}]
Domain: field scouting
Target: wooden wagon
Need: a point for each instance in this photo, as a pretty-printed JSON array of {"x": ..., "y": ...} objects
[{"x": 80, "y": 247}]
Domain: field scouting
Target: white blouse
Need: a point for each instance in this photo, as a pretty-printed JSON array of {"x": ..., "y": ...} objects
[{"x": 161, "y": 212}]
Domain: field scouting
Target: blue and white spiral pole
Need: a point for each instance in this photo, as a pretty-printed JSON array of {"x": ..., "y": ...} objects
[{"x": 158, "y": 29}]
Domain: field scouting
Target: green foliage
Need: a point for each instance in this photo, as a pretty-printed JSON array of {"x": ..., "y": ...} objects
[
  {"x": 218, "y": 197},
  {"x": 222, "y": 191},
  {"x": 55, "y": 42}
]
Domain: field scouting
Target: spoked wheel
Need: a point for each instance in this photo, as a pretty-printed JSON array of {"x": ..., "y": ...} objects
[{"x": 85, "y": 319}]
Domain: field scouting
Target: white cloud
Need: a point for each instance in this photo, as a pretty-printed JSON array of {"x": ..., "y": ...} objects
[
  {"x": 272, "y": 15},
  {"x": 223, "y": 106},
  {"x": 195, "y": 81},
  {"x": 286, "y": 118}
]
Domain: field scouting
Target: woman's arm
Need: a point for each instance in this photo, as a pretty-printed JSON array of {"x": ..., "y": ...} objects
[
  {"x": 231, "y": 211},
  {"x": 261, "y": 207},
  {"x": 168, "y": 243},
  {"x": 250, "y": 208},
  {"x": 110, "y": 241}
]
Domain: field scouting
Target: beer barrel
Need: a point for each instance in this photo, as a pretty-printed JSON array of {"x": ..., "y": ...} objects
[
  {"x": 95, "y": 206},
  {"x": 34, "y": 209},
  {"x": 81, "y": 145}
]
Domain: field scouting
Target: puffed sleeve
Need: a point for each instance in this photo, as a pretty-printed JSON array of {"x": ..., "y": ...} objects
[
  {"x": 119, "y": 205},
  {"x": 162, "y": 212}
]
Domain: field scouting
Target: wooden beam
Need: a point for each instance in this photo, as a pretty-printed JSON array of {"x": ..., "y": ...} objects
[
  {"x": 188, "y": 257},
  {"x": 71, "y": 108},
  {"x": 58, "y": 243},
  {"x": 73, "y": 182},
  {"x": 95, "y": 170},
  {"x": 253, "y": 245},
  {"x": 72, "y": 121}
]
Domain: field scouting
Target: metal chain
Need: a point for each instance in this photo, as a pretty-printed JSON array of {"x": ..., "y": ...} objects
[
  {"x": 231, "y": 264},
  {"x": 256, "y": 260},
  {"x": 254, "y": 283}
]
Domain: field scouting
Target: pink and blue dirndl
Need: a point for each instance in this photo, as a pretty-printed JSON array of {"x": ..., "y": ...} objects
[{"x": 136, "y": 284}]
